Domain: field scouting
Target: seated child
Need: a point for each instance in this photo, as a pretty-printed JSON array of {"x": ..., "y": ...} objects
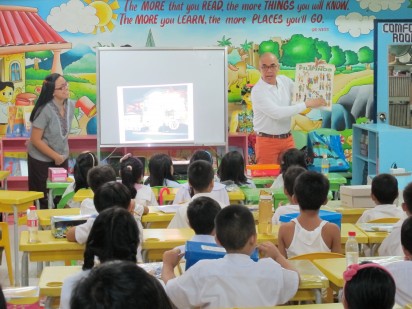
[
  {"x": 84, "y": 162},
  {"x": 234, "y": 280},
  {"x": 201, "y": 214},
  {"x": 96, "y": 177},
  {"x": 108, "y": 195},
  {"x": 289, "y": 181},
  {"x": 287, "y": 158},
  {"x": 123, "y": 284},
  {"x": 184, "y": 194},
  {"x": 200, "y": 179},
  {"x": 132, "y": 172},
  {"x": 402, "y": 271},
  {"x": 384, "y": 191},
  {"x": 391, "y": 245},
  {"x": 161, "y": 172},
  {"x": 368, "y": 286},
  {"x": 113, "y": 236},
  {"x": 308, "y": 232},
  {"x": 232, "y": 170}
]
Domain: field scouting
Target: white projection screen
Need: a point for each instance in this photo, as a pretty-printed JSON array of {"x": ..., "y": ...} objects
[{"x": 162, "y": 96}]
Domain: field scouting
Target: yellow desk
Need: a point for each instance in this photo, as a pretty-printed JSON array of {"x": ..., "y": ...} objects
[
  {"x": 45, "y": 214},
  {"x": 82, "y": 194},
  {"x": 47, "y": 249},
  {"x": 349, "y": 214},
  {"x": 167, "y": 198},
  {"x": 15, "y": 202},
  {"x": 311, "y": 279},
  {"x": 235, "y": 197},
  {"x": 52, "y": 277},
  {"x": 156, "y": 241},
  {"x": 334, "y": 268},
  {"x": 375, "y": 237},
  {"x": 156, "y": 218},
  {"x": 3, "y": 177},
  {"x": 361, "y": 237}
]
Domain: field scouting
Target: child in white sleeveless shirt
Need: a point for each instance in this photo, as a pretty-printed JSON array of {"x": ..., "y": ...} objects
[{"x": 308, "y": 232}]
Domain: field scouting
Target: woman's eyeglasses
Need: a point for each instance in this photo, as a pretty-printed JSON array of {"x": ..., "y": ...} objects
[{"x": 64, "y": 86}]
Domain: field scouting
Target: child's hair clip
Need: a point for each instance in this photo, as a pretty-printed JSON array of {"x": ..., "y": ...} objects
[{"x": 353, "y": 269}]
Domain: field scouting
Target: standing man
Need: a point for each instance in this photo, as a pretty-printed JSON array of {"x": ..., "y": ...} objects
[{"x": 272, "y": 110}]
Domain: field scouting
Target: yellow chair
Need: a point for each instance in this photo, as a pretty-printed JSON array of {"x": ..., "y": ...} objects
[
  {"x": 5, "y": 243},
  {"x": 328, "y": 296},
  {"x": 317, "y": 256},
  {"x": 385, "y": 220}
]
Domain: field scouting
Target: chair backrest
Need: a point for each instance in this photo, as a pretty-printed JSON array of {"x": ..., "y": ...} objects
[
  {"x": 300, "y": 138},
  {"x": 385, "y": 220},
  {"x": 317, "y": 256},
  {"x": 65, "y": 199}
]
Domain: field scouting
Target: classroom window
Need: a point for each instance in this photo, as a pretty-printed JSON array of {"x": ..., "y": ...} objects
[{"x": 15, "y": 71}]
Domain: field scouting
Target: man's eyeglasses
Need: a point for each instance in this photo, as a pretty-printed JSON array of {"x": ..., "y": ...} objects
[
  {"x": 64, "y": 86},
  {"x": 271, "y": 67}
]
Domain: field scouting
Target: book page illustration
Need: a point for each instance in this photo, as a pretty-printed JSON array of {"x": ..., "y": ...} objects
[{"x": 313, "y": 82}]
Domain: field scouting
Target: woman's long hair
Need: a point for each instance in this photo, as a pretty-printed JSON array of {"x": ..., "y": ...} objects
[{"x": 46, "y": 94}]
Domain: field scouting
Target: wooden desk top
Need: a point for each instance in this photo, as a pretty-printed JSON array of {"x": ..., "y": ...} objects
[
  {"x": 165, "y": 239},
  {"x": 45, "y": 214},
  {"x": 361, "y": 237},
  {"x": 52, "y": 277},
  {"x": 170, "y": 238},
  {"x": 311, "y": 277},
  {"x": 4, "y": 175},
  {"x": 234, "y": 196},
  {"x": 47, "y": 242},
  {"x": 9, "y": 197},
  {"x": 83, "y": 194},
  {"x": 375, "y": 237},
  {"x": 155, "y": 215},
  {"x": 334, "y": 268}
]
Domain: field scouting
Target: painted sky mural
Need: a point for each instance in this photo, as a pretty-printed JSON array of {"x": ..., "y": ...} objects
[{"x": 340, "y": 32}]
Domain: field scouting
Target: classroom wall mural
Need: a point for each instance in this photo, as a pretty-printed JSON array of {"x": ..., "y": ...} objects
[{"x": 40, "y": 37}]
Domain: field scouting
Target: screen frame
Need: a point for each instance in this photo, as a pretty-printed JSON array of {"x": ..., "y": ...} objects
[{"x": 220, "y": 52}]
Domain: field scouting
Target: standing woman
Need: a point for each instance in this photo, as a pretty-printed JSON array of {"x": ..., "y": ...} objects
[{"x": 51, "y": 120}]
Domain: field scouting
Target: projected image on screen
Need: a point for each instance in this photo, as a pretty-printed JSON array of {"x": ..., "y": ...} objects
[{"x": 156, "y": 113}]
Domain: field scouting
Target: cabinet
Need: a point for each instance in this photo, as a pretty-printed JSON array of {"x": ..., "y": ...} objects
[
  {"x": 376, "y": 147},
  {"x": 400, "y": 94},
  {"x": 17, "y": 147}
]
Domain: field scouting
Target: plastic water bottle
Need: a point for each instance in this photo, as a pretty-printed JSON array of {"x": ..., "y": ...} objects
[
  {"x": 33, "y": 224},
  {"x": 325, "y": 165},
  {"x": 352, "y": 249}
]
